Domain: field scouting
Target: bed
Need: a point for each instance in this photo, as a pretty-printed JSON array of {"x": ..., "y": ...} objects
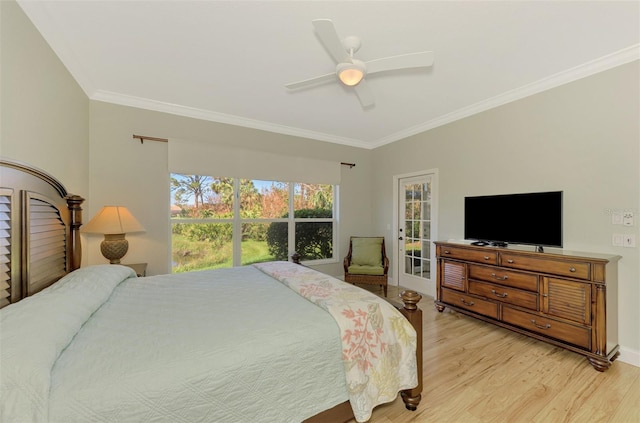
[{"x": 270, "y": 342}]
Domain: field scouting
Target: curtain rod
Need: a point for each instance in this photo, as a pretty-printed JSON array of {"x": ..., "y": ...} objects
[{"x": 142, "y": 138}]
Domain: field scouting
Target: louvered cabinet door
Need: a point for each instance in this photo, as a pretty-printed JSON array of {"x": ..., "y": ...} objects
[
  {"x": 567, "y": 299},
  {"x": 454, "y": 275},
  {"x": 46, "y": 236},
  {"x": 7, "y": 242}
]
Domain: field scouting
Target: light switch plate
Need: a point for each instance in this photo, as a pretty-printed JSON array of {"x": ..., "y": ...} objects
[
  {"x": 617, "y": 240},
  {"x": 627, "y": 218},
  {"x": 616, "y": 218}
]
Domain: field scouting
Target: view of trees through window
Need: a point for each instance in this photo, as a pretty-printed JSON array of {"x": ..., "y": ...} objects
[{"x": 223, "y": 222}]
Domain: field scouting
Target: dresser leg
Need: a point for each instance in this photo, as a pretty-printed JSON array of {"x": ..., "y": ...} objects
[
  {"x": 600, "y": 365},
  {"x": 440, "y": 308}
]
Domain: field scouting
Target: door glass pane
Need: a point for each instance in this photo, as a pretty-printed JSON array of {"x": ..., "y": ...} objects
[
  {"x": 426, "y": 249},
  {"x": 408, "y": 261},
  {"x": 426, "y": 229},
  {"x": 417, "y": 226},
  {"x": 416, "y": 192},
  {"x": 426, "y": 269},
  {"x": 199, "y": 246}
]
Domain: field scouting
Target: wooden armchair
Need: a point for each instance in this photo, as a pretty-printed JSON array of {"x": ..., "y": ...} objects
[{"x": 367, "y": 262}]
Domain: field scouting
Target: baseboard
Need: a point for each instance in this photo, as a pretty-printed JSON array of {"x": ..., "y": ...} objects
[{"x": 629, "y": 356}]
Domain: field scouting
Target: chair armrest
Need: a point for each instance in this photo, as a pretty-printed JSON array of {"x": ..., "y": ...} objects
[
  {"x": 346, "y": 262},
  {"x": 386, "y": 265}
]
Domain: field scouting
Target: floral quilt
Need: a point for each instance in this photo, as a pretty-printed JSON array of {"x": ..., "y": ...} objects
[{"x": 378, "y": 343}]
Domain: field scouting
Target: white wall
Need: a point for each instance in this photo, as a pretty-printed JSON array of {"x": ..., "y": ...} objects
[
  {"x": 582, "y": 138},
  {"x": 44, "y": 115},
  {"x": 125, "y": 172}
]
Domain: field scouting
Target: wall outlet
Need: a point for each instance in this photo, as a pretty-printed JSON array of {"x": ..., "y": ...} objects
[{"x": 629, "y": 240}]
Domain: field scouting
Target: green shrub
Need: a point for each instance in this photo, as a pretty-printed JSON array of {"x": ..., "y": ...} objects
[{"x": 314, "y": 240}]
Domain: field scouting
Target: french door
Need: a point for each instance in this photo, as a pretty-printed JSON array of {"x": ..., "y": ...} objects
[{"x": 416, "y": 229}]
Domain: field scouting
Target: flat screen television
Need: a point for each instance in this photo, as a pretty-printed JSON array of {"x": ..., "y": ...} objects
[{"x": 528, "y": 218}]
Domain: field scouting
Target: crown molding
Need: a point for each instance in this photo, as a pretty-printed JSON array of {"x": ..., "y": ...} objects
[
  {"x": 610, "y": 61},
  {"x": 192, "y": 112}
]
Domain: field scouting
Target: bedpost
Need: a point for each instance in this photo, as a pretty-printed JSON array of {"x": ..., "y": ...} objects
[
  {"x": 74, "y": 202},
  {"x": 412, "y": 312}
]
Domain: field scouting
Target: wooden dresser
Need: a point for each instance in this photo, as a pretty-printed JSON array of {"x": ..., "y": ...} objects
[{"x": 564, "y": 298}]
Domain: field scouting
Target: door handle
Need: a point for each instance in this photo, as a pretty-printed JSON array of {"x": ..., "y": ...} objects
[{"x": 400, "y": 238}]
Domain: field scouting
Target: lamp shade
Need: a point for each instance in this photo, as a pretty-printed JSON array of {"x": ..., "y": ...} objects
[{"x": 112, "y": 220}]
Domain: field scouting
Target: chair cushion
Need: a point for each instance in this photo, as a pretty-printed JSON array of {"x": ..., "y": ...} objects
[
  {"x": 366, "y": 270},
  {"x": 366, "y": 251}
]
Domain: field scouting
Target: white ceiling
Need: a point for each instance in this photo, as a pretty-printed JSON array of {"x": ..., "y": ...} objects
[{"x": 228, "y": 61}]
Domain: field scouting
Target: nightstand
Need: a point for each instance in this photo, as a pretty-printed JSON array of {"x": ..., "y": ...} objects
[{"x": 139, "y": 268}]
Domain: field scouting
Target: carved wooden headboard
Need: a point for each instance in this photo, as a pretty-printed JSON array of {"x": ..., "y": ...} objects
[{"x": 39, "y": 231}]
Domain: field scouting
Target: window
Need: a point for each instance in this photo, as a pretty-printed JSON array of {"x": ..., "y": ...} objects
[{"x": 223, "y": 222}]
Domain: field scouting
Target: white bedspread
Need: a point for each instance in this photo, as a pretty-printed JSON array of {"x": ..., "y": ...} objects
[
  {"x": 378, "y": 343},
  {"x": 34, "y": 332},
  {"x": 72, "y": 356}
]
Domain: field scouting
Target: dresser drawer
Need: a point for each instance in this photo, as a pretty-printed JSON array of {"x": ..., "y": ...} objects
[
  {"x": 573, "y": 269},
  {"x": 504, "y": 294},
  {"x": 489, "y": 257},
  {"x": 520, "y": 280},
  {"x": 576, "y": 335},
  {"x": 477, "y": 305}
]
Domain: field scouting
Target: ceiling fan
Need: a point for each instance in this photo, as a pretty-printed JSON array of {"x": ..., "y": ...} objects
[{"x": 352, "y": 72}]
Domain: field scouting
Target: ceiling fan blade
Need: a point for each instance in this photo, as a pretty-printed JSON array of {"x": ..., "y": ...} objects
[
  {"x": 403, "y": 61},
  {"x": 329, "y": 38},
  {"x": 311, "y": 81},
  {"x": 364, "y": 94}
]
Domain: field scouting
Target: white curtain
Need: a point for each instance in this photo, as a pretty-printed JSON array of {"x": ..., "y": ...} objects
[{"x": 203, "y": 158}]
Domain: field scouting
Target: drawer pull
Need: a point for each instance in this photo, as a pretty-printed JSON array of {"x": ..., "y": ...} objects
[
  {"x": 499, "y": 278},
  {"x": 466, "y": 303},
  {"x": 486, "y": 257},
  {"x": 547, "y": 326},
  {"x": 510, "y": 261},
  {"x": 493, "y": 291},
  {"x": 447, "y": 252},
  {"x": 572, "y": 269}
]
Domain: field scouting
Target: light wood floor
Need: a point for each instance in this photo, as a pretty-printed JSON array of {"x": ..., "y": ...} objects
[{"x": 477, "y": 372}]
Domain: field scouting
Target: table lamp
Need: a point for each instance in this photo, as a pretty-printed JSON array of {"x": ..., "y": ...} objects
[{"x": 114, "y": 222}]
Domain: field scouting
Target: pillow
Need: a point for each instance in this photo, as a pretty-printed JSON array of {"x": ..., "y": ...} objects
[{"x": 366, "y": 251}]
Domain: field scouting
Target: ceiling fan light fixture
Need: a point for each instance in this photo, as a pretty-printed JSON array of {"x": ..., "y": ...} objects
[{"x": 350, "y": 73}]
